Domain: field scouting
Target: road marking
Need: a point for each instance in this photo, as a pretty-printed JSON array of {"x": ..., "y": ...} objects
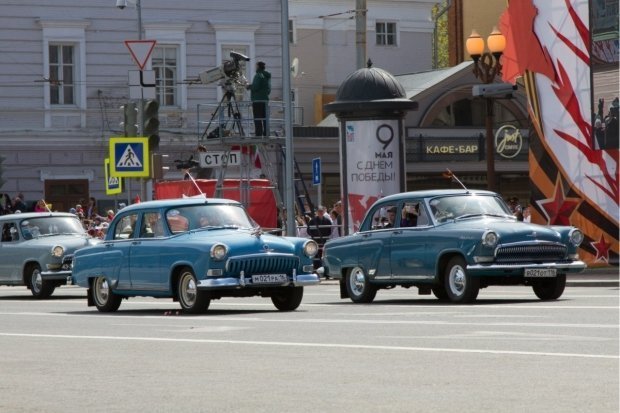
[
  {"x": 211, "y": 318},
  {"x": 321, "y": 345}
]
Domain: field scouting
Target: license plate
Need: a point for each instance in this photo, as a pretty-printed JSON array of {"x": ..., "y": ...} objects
[
  {"x": 269, "y": 278},
  {"x": 540, "y": 272}
]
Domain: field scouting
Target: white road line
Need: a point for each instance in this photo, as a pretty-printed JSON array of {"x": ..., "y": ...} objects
[
  {"x": 121, "y": 317},
  {"x": 321, "y": 345}
]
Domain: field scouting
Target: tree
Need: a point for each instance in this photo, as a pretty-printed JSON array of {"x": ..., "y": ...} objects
[{"x": 441, "y": 56}]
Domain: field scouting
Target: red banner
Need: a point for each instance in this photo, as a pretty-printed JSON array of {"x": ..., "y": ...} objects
[{"x": 261, "y": 203}]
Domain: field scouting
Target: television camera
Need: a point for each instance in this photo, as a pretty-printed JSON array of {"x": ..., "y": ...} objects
[{"x": 229, "y": 70}]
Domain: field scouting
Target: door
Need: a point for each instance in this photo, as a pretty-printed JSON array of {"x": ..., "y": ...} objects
[
  {"x": 409, "y": 254},
  {"x": 66, "y": 193}
]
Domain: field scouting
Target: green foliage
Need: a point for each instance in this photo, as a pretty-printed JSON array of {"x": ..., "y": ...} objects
[{"x": 441, "y": 56}]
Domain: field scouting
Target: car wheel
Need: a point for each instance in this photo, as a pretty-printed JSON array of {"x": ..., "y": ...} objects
[
  {"x": 104, "y": 298},
  {"x": 192, "y": 300},
  {"x": 288, "y": 298},
  {"x": 550, "y": 288},
  {"x": 460, "y": 287},
  {"x": 359, "y": 288},
  {"x": 440, "y": 292},
  {"x": 38, "y": 287}
]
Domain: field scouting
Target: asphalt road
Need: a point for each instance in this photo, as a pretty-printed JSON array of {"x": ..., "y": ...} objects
[{"x": 509, "y": 352}]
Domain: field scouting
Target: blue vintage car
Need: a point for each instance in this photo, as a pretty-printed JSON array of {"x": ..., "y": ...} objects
[
  {"x": 450, "y": 243},
  {"x": 36, "y": 249},
  {"x": 193, "y": 250}
]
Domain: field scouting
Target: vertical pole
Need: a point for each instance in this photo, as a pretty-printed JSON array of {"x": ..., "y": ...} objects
[
  {"x": 490, "y": 146},
  {"x": 288, "y": 124},
  {"x": 360, "y": 33}
]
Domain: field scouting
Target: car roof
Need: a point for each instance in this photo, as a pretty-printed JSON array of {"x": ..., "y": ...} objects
[
  {"x": 30, "y": 215},
  {"x": 178, "y": 202},
  {"x": 430, "y": 193}
]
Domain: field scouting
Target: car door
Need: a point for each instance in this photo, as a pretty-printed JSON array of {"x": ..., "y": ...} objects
[
  {"x": 408, "y": 250},
  {"x": 145, "y": 257},
  {"x": 10, "y": 258},
  {"x": 373, "y": 250},
  {"x": 117, "y": 257}
]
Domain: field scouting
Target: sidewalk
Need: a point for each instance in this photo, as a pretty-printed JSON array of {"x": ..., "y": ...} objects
[{"x": 595, "y": 277}]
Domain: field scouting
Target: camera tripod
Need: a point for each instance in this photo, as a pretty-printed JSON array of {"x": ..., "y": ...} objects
[{"x": 227, "y": 111}]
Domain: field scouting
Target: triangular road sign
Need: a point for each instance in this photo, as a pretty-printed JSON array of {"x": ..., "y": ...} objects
[{"x": 140, "y": 50}]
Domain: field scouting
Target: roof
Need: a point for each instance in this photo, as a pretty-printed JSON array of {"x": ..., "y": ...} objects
[
  {"x": 435, "y": 192},
  {"x": 178, "y": 202},
  {"x": 416, "y": 83},
  {"x": 30, "y": 215}
]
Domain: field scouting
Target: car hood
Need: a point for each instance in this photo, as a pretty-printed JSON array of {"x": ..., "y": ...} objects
[
  {"x": 246, "y": 240},
  {"x": 68, "y": 242},
  {"x": 508, "y": 230}
]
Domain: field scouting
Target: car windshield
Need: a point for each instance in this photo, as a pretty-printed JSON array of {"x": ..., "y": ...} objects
[
  {"x": 209, "y": 216},
  {"x": 463, "y": 206},
  {"x": 50, "y": 226}
]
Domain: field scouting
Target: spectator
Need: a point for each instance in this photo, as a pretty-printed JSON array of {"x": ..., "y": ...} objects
[
  {"x": 339, "y": 218},
  {"x": 19, "y": 204},
  {"x": 41, "y": 206},
  {"x": 319, "y": 229},
  {"x": 91, "y": 208},
  {"x": 6, "y": 205}
]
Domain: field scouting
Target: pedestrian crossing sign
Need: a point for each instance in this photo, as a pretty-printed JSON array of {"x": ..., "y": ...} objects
[
  {"x": 113, "y": 184},
  {"x": 129, "y": 157}
]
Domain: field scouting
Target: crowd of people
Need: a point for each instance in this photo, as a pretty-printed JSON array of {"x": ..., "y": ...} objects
[{"x": 86, "y": 211}]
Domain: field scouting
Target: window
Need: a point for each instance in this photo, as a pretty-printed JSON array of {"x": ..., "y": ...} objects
[
  {"x": 386, "y": 34},
  {"x": 164, "y": 63},
  {"x": 291, "y": 32},
  {"x": 62, "y": 74}
]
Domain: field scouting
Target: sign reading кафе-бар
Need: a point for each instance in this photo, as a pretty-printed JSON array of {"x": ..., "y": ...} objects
[{"x": 510, "y": 144}]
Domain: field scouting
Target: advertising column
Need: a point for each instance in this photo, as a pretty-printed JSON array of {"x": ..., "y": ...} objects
[{"x": 374, "y": 166}]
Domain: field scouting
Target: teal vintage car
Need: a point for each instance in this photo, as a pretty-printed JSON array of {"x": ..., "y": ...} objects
[
  {"x": 451, "y": 243},
  {"x": 193, "y": 250}
]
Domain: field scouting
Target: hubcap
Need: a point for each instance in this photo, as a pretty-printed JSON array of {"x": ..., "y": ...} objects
[
  {"x": 37, "y": 281},
  {"x": 103, "y": 291},
  {"x": 189, "y": 290},
  {"x": 457, "y": 280},
  {"x": 357, "y": 282}
]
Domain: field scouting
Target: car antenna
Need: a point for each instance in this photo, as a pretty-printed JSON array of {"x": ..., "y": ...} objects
[
  {"x": 186, "y": 166},
  {"x": 449, "y": 174}
]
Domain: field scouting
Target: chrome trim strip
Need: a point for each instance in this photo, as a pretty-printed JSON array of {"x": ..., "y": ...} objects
[
  {"x": 231, "y": 282},
  {"x": 570, "y": 266}
]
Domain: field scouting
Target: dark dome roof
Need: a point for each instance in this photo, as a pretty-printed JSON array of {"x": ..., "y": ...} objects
[
  {"x": 370, "y": 84},
  {"x": 370, "y": 92}
]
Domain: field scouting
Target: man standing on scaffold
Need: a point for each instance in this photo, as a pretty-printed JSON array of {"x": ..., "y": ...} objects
[{"x": 260, "y": 88}]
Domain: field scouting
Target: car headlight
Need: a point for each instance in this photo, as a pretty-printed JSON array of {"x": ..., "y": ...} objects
[
  {"x": 58, "y": 251},
  {"x": 489, "y": 239},
  {"x": 219, "y": 251},
  {"x": 311, "y": 248},
  {"x": 576, "y": 237}
]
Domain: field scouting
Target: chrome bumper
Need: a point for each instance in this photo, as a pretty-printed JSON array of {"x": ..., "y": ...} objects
[
  {"x": 246, "y": 281},
  {"x": 574, "y": 266},
  {"x": 56, "y": 275}
]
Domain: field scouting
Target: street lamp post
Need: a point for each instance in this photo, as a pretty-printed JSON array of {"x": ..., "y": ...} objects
[{"x": 486, "y": 67}]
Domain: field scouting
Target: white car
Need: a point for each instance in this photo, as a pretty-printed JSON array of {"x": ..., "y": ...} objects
[{"x": 36, "y": 249}]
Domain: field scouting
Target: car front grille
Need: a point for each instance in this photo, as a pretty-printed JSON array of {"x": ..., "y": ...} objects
[
  {"x": 530, "y": 253},
  {"x": 263, "y": 264}
]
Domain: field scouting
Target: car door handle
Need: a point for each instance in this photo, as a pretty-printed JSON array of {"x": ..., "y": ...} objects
[{"x": 135, "y": 242}]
